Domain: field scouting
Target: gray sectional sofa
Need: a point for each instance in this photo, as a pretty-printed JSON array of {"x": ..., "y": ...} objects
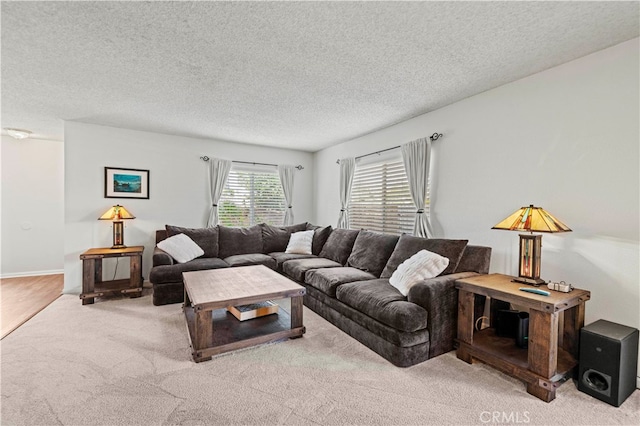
[{"x": 347, "y": 281}]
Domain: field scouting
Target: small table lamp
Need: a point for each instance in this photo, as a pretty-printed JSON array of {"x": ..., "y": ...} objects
[
  {"x": 117, "y": 213},
  {"x": 532, "y": 219}
]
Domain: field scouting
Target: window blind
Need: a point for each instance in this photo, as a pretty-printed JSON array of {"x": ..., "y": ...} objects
[
  {"x": 380, "y": 199},
  {"x": 251, "y": 197}
]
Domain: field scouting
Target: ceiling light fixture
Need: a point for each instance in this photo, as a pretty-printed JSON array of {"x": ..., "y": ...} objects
[{"x": 18, "y": 133}]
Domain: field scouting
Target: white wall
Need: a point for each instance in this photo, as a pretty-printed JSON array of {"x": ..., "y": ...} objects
[
  {"x": 565, "y": 139},
  {"x": 178, "y": 190},
  {"x": 32, "y": 207}
]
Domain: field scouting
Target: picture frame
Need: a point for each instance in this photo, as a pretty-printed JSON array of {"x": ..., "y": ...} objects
[{"x": 126, "y": 183}]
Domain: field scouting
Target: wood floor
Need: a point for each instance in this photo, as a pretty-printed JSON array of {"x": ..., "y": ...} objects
[{"x": 21, "y": 298}]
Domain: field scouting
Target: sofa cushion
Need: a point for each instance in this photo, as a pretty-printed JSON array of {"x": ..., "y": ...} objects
[
  {"x": 383, "y": 302},
  {"x": 173, "y": 273},
  {"x": 371, "y": 251},
  {"x": 319, "y": 237},
  {"x": 300, "y": 243},
  {"x": 409, "y": 245},
  {"x": 339, "y": 244},
  {"x": 353, "y": 321},
  {"x": 239, "y": 240},
  {"x": 475, "y": 259},
  {"x": 421, "y": 266},
  {"x": 206, "y": 238},
  {"x": 251, "y": 259},
  {"x": 281, "y": 257},
  {"x": 181, "y": 248},
  {"x": 276, "y": 238},
  {"x": 296, "y": 269},
  {"x": 328, "y": 279}
]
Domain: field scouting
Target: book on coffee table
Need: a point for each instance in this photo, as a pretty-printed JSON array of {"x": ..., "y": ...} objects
[{"x": 254, "y": 310}]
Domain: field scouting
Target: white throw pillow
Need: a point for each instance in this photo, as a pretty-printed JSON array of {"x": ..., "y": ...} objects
[
  {"x": 421, "y": 266},
  {"x": 300, "y": 242},
  {"x": 181, "y": 248}
]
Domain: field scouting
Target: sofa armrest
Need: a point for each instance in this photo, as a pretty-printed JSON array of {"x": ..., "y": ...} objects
[
  {"x": 439, "y": 297},
  {"x": 161, "y": 257}
]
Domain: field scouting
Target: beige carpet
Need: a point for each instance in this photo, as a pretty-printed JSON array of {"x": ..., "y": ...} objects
[{"x": 127, "y": 362}]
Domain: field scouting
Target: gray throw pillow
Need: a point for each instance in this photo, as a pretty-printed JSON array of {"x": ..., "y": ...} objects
[
  {"x": 206, "y": 238},
  {"x": 371, "y": 251},
  {"x": 339, "y": 244},
  {"x": 276, "y": 238},
  {"x": 319, "y": 237},
  {"x": 239, "y": 240},
  {"x": 409, "y": 245}
]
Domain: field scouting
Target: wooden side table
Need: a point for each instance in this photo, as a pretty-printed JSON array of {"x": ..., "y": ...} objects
[
  {"x": 551, "y": 354},
  {"x": 92, "y": 283}
]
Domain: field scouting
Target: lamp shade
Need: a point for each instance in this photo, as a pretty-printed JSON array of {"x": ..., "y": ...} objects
[
  {"x": 116, "y": 212},
  {"x": 532, "y": 219}
]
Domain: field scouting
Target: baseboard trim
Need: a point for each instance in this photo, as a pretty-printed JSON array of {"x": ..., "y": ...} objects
[{"x": 32, "y": 273}]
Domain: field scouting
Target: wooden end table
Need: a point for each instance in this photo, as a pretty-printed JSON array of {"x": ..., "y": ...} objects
[
  {"x": 92, "y": 283},
  {"x": 551, "y": 354}
]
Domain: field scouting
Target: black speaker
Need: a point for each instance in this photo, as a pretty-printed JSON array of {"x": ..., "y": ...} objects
[
  {"x": 608, "y": 361},
  {"x": 506, "y": 323},
  {"x": 522, "y": 336}
]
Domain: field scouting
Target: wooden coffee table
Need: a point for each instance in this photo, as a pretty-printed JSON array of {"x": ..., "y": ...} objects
[{"x": 213, "y": 330}]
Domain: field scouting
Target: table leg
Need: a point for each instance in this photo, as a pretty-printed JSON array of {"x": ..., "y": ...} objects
[
  {"x": 543, "y": 352},
  {"x": 203, "y": 334},
  {"x": 135, "y": 274},
  {"x": 296, "y": 313},
  {"x": 573, "y": 322},
  {"x": 466, "y": 302},
  {"x": 98, "y": 273},
  {"x": 88, "y": 279}
]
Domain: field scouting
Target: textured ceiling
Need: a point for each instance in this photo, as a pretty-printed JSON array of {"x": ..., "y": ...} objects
[{"x": 303, "y": 75}]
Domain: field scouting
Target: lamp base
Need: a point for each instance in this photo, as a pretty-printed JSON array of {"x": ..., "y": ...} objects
[
  {"x": 118, "y": 235},
  {"x": 533, "y": 281}
]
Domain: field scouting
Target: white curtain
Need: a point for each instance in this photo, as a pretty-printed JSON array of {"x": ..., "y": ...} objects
[
  {"x": 287, "y": 174},
  {"x": 347, "y": 169},
  {"x": 218, "y": 174},
  {"x": 416, "y": 156}
]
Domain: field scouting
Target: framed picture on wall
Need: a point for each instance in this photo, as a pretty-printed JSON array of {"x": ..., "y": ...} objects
[{"x": 126, "y": 183}]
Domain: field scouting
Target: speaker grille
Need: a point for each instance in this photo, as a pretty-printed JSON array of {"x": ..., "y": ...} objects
[{"x": 597, "y": 381}]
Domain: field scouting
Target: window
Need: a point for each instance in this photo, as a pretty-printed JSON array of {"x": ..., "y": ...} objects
[
  {"x": 251, "y": 197},
  {"x": 380, "y": 199}
]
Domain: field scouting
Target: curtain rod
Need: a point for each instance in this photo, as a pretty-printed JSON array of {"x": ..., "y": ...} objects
[
  {"x": 299, "y": 167},
  {"x": 433, "y": 137}
]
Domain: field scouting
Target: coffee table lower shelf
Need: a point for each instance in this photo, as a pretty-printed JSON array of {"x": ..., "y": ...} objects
[{"x": 226, "y": 333}]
